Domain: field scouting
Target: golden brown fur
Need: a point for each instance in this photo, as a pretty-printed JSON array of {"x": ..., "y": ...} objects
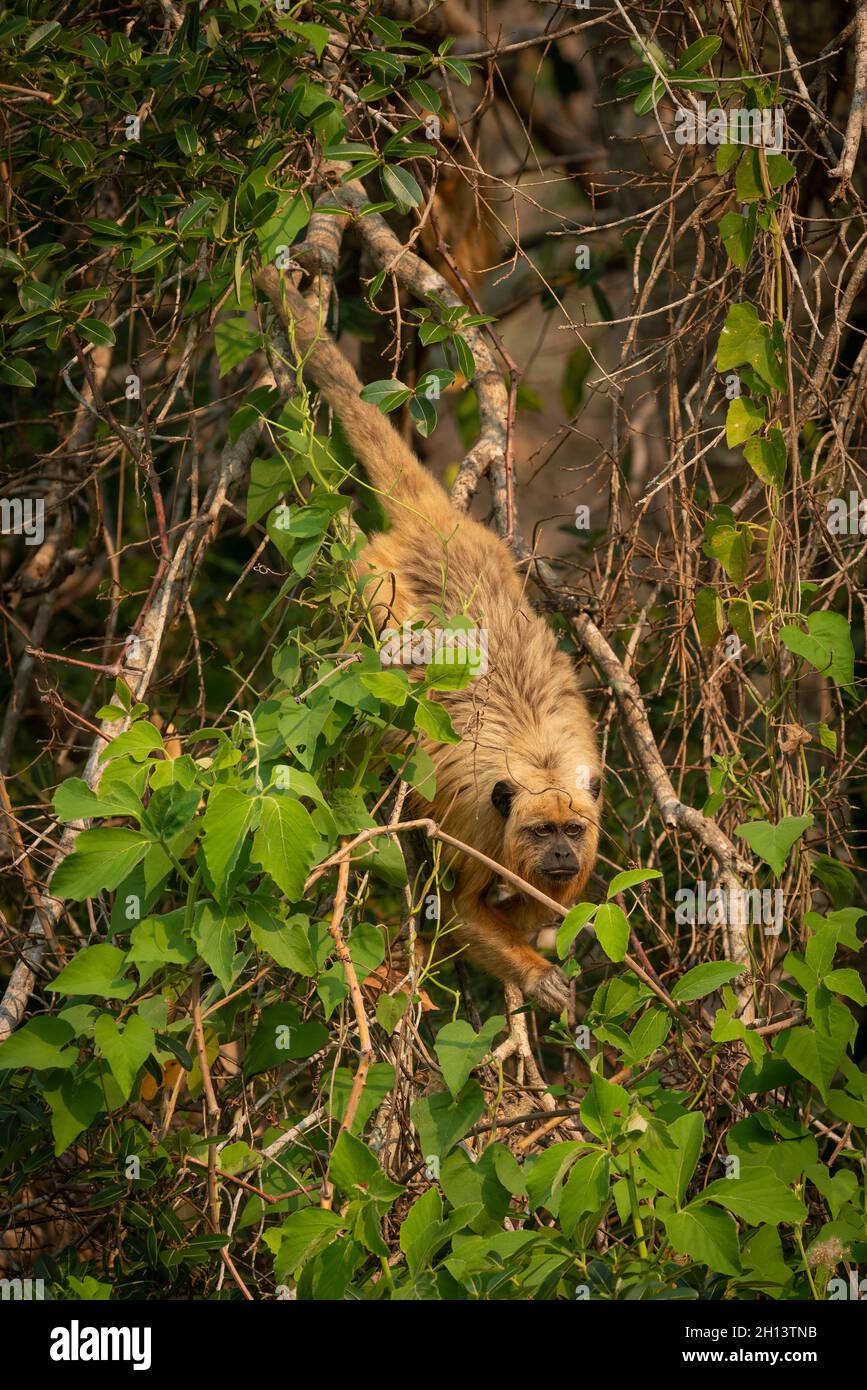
[{"x": 523, "y": 785}]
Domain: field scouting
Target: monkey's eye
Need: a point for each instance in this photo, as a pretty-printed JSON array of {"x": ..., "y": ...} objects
[
  {"x": 575, "y": 829},
  {"x": 542, "y": 831}
]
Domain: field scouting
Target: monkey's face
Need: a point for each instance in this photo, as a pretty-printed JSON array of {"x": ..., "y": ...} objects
[{"x": 550, "y": 839}]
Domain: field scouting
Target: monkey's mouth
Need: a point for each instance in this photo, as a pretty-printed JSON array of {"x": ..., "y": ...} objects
[{"x": 560, "y": 875}]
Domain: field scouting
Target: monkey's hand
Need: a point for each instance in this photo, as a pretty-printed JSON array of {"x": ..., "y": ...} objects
[{"x": 550, "y": 989}]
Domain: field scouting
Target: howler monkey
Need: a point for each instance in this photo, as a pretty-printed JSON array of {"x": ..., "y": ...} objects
[{"x": 523, "y": 786}]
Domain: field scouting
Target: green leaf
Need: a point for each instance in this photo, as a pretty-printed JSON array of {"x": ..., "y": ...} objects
[
  {"x": 705, "y": 979},
  {"x": 285, "y": 942},
  {"x": 235, "y": 341},
  {"x": 399, "y": 184},
  {"x": 281, "y": 1037},
  {"x": 40, "y": 1044},
  {"x": 827, "y": 645},
  {"x": 187, "y": 138},
  {"x": 227, "y": 819},
  {"x": 847, "y": 982},
  {"x": 285, "y": 843},
  {"x": 730, "y": 543},
  {"x": 585, "y": 1190},
  {"x": 215, "y": 930},
  {"x": 773, "y": 842},
  {"x": 100, "y": 860},
  {"x": 698, "y": 54},
  {"x": 738, "y": 235},
  {"x": 648, "y": 1035},
  {"x": 390, "y": 1009},
  {"x": 744, "y": 418},
  {"x": 604, "y": 1108},
  {"x": 74, "y": 800},
  {"x": 612, "y": 930},
  {"x": 18, "y": 372},
  {"x": 301, "y": 1235},
  {"x": 628, "y": 878},
  {"x": 97, "y": 332},
  {"x": 387, "y": 395},
  {"x": 459, "y": 1049},
  {"x": 441, "y": 1122},
  {"x": 708, "y": 1236},
  {"x": 138, "y": 742},
  {"x": 434, "y": 719},
  {"x": 670, "y": 1165},
  {"x": 126, "y": 1050},
  {"x": 575, "y": 920},
  {"x": 814, "y": 1054},
  {"x": 74, "y": 1106},
  {"x": 709, "y": 617},
  {"x": 780, "y": 170},
  {"x": 767, "y": 457},
  {"x": 352, "y": 1164},
  {"x": 756, "y": 1196},
  {"x": 95, "y": 970}
]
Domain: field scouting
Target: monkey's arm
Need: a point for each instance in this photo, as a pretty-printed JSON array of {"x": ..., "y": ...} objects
[{"x": 490, "y": 939}]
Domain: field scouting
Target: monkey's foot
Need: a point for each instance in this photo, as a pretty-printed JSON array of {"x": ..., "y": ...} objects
[{"x": 551, "y": 990}]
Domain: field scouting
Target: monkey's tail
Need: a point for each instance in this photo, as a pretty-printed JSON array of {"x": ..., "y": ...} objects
[{"x": 391, "y": 466}]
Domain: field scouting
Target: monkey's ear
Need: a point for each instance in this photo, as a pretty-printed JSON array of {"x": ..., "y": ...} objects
[
  {"x": 595, "y": 787},
  {"x": 501, "y": 797}
]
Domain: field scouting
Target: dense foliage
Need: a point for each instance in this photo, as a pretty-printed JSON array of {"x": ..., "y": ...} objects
[{"x": 224, "y": 1072}]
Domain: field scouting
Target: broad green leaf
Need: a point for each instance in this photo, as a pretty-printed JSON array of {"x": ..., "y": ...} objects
[
  {"x": 576, "y": 918},
  {"x": 708, "y": 1236},
  {"x": 730, "y": 543},
  {"x": 629, "y": 878},
  {"x": 285, "y": 843},
  {"x": 738, "y": 234},
  {"x": 744, "y": 418},
  {"x": 767, "y": 457},
  {"x": 95, "y": 970},
  {"x": 604, "y": 1108},
  {"x": 705, "y": 979},
  {"x": 774, "y": 842},
  {"x": 648, "y": 1035},
  {"x": 612, "y": 930},
  {"x": 386, "y": 395},
  {"x": 300, "y": 1236},
  {"x": 40, "y": 1044},
  {"x": 74, "y": 800},
  {"x": 227, "y": 820},
  {"x": 399, "y": 184},
  {"x": 757, "y": 1195},
  {"x": 215, "y": 931},
  {"x": 827, "y": 645},
  {"x": 286, "y": 942},
  {"x": 137, "y": 742},
  {"x": 435, "y": 720},
  {"x": 100, "y": 860},
  {"x": 710, "y": 617},
  {"x": 460, "y": 1048},
  {"x": 670, "y": 1166},
  {"x": 441, "y": 1121},
  {"x": 585, "y": 1190},
  {"x": 125, "y": 1049},
  {"x": 74, "y": 1106}
]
